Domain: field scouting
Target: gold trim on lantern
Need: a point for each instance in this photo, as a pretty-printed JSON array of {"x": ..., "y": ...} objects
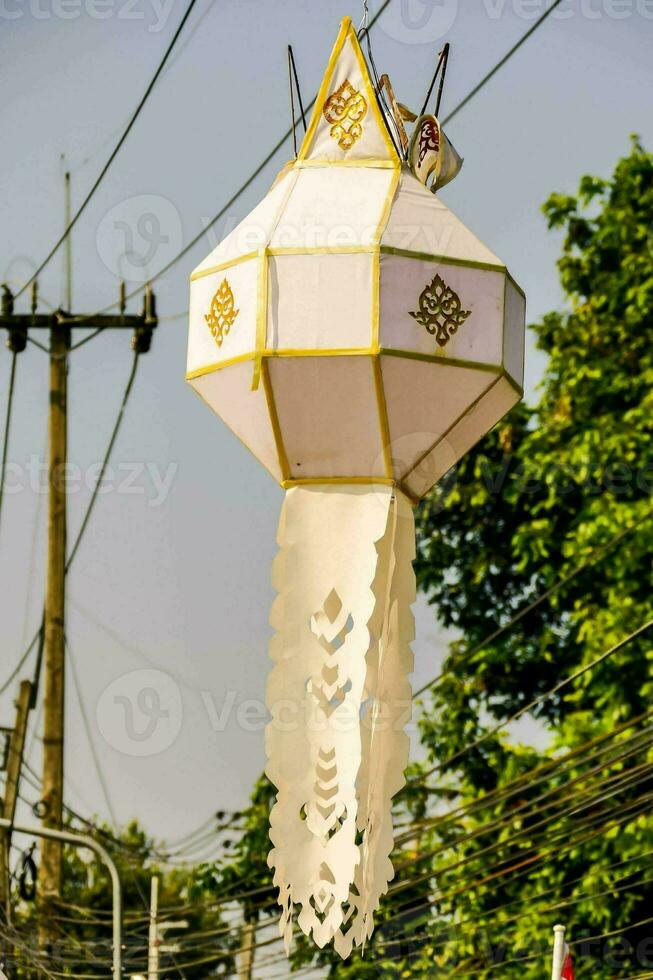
[
  {"x": 441, "y": 357},
  {"x": 382, "y": 409},
  {"x": 376, "y": 303},
  {"x": 406, "y": 253},
  {"x": 387, "y": 206},
  {"x": 365, "y": 72},
  {"x": 218, "y": 365},
  {"x": 274, "y": 421},
  {"x": 223, "y": 265},
  {"x": 357, "y": 481},
  {"x": 373, "y": 163},
  {"x": 324, "y": 250},
  {"x": 261, "y": 316},
  {"x": 361, "y": 249},
  {"x": 323, "y": 93},
  {"x": 319, "y": 352},
  {"x": 435, "y": 358}
]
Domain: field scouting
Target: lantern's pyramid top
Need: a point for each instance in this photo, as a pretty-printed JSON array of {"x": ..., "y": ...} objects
[
  {"x": 351, "y": 328},
  {"x": 347, "y": 124}
]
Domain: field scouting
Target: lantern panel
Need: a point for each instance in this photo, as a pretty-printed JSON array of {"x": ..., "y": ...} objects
[
  {"x": 514, "y": 335},
  {"x": 424, "y": 401},
  {"x": 328, "y": 416},
  {"x": 334, "y": 207},
  {"x": 227, "y": 392},
  {"x": 253, "y": 233},
  {"x": 449, "y": 311},
  {"x": 420, "y": 222},
  {"x": 222, "y": 315},
  {"x": 320, "y": 302},
  {"x": 482, "y": 416}
]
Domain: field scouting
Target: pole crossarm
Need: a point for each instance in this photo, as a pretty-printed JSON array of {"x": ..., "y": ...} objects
[{"x": 46, "y": 321}]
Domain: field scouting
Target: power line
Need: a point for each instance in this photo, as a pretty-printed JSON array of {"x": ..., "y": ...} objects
[
  {"x": 85, "y": 520},
  {"x": 532, "y": 778},
  {"x": 113, "y": 153},
  {"x": 499, "y": 65},
  {"x": 7, "y": 429},
  {"x": 539, "y": 700},
  {"x": 597, "y": 556},
  {"x": 89, "y": 735}
]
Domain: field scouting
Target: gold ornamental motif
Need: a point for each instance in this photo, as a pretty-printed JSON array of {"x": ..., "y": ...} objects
[
  {"x": 222, "y": 314},
  {"x": 440, "y": 310},
  {"x": 345, "y": 109}
]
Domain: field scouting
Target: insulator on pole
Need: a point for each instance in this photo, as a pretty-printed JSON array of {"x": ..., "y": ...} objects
[
  {"x": 16, "y": 333},
  {"x": 142, "y": 336}
]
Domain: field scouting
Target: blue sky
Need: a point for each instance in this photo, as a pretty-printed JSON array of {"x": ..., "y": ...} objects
[{"x": 173, "y": 578}]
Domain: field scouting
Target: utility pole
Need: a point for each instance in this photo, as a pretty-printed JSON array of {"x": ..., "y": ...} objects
[
  {"x": 59, "y": 325},
  {"x": 153, "y": 937},
  {"x": 12, "y": 783},
  {"x": 246, "y": 954},
  {"x": 55, "y": 605},
  {"x": 68, "y": 255}
]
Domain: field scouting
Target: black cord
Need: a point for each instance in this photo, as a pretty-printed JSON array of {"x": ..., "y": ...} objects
[
  {"x": 113, "y": 154},
  {"x": 5, "y": 441},
  {"x": 291, "y": 55},
  {"x": 80, "y": 533},
  {"x": 105, "y": 461},
  {"x": 443, "y": 60},
  {"x": 500, "y": 64}
]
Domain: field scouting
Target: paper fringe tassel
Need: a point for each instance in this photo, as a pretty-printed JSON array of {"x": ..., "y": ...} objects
[{"x": 339, "y": 697}]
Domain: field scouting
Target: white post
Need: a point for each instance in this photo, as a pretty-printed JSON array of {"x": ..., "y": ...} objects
[
  {"x": 558, "y": 952},
  {"x": 153, "y": 940}
]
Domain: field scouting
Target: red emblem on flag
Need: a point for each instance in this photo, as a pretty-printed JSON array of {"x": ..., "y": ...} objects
[{"x": 568, "y": 966}]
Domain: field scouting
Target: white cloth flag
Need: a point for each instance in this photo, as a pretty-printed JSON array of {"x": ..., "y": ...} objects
[{"x": 339, "y": 697}]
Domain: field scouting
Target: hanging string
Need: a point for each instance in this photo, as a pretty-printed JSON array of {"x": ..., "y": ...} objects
[
  {"x": 292, "y": 104},
  {"x": 293, "y": 66},
  {"x": 366, "y": 17},
  {"x": 386, "y": 112},
  {"x": 443, "y": 61}
]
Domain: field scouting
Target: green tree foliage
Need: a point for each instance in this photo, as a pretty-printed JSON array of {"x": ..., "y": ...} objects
[
  {"x": 543, "y": 494},
  {"x": 505, "y": 840}
]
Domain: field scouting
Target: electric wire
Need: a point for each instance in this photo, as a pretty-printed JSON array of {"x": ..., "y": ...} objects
[
  {"x": 7, "y": 427},
  {"x": 71, "y": 224},
  {"x": 89, "y": 734},
  {"x": 468, "y": 885},
  {"x": 510, "y": 817},
  {"x": 597, "y": 556},
  {"x": 540, "y": 699},
  {"x": 499, "y": 65},
  {"x": 84, "y": 525}
]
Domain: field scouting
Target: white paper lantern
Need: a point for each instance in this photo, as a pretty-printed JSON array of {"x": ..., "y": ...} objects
[{"x": 359, "y": 339}]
